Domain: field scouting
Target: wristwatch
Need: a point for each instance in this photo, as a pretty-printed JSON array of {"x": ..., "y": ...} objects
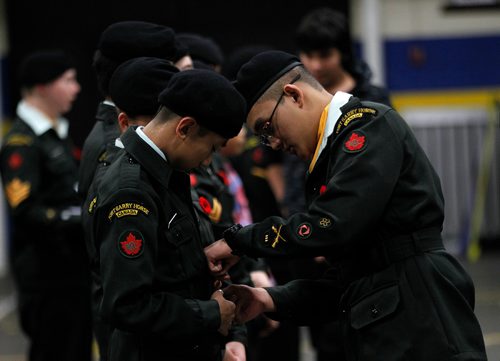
[{"x": 229, "y": 235}]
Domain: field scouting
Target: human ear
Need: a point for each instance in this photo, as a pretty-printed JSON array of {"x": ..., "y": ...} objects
[
  {"x": 185, "y": 125},
  {"x": 123, "y": 122},
  {"x": 295, "y": 93}
]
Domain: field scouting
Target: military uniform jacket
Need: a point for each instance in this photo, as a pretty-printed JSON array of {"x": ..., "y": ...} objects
[
  {"x": 375, "y": 207},
  {"x": 98, "y": 146},
  {"x": 39, "y": 177},
  {"x": 156, "y": 287}
]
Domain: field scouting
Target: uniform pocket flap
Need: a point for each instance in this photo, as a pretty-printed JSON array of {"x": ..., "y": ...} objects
[{"x": 375, "y": 307}]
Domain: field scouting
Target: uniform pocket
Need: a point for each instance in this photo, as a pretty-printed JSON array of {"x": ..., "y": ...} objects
[
  {"x": 375, "y": 307},
  {"x": 186, "y": 251}
]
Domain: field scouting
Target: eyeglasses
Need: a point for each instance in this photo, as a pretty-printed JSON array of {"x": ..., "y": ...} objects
[{"x": 267, "y": 130}]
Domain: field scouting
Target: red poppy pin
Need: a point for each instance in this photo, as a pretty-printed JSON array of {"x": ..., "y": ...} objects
[
  {"x": 205, "y": 205},
  {"x": 131, "y": 244},
  {"x": 304, "y": 230},
  {"x": 356, "y": 142},
  {"x": 322, "y": 189},
  {"x": 193, "y": 180},
  {"x": 15, "y": 161}
]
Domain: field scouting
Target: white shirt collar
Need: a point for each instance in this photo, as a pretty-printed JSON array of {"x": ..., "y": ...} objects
[
  {"x": 109, "y": 102},
  {"x": 334, "y": 113},
  {"x": 39, "y": 122},
  {"x": 150, "y": 142}
]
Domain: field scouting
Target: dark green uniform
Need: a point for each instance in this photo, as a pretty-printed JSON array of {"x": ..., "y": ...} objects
[
  {"x": 47, "y": 250},
  {"x": 375, "y": 208},
  {"x": 156, "y": 285},
  {"x": 99, "y": 143}
]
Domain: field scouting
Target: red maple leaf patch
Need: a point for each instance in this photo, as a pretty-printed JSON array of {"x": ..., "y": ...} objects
[
  {"x": 355, "y": 142},
  {"x": 131, "y": 246},
  {"x": 15, "y": 161}
]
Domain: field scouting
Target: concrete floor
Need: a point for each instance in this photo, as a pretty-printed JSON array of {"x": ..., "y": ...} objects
[{"x": 485, "y": 273}]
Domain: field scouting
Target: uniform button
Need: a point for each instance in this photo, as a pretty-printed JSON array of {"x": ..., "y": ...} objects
[{"x": 374, "y": 312}]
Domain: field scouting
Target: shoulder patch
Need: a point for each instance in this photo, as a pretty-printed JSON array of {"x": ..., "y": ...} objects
[
  {"x": 304, "y": 230},
  {"x": 131, "y": 244},
  {"x": 19, "y": 139},
  {"x": 15, "y": 161},
  {"x": 17, "y": 191},
  {"x": 351, "y": 115},
  {"x": 356, "y": 142},
  {"x": 126, "y": 210}
]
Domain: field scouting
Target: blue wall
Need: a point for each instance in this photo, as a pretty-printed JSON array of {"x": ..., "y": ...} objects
[{"x": 442, "y": 63}]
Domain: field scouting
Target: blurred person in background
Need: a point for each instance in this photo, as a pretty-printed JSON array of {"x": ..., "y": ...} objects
[{"x": 47, "y": 251}]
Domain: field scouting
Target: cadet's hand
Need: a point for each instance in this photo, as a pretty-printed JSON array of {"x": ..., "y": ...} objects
[
  {"x": 250, "y": 301},
  {"x": 220, "y": 259},
  {"x": 235, "y": 351},
  {"x": 226, "y": 309}
]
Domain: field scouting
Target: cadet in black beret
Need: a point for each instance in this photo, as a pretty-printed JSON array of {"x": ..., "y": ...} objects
[
  {"x": 209, "y": 98},
  {"x": 375, "y": 210},
  {"x": 42, "y": 67},
  {"x": 135, "y": 86},
  {"x": 157, "y": 293},
  {"x": 119, "y": 42},
  {"x": 203, "y": 49},
  {"x": 47, "y": 256}
]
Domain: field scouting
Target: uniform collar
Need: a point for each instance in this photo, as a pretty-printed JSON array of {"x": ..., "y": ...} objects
[
  {"x": 332, "y": 113},
  {"x": 145, "y": 138},
  {"x": 149, "y": 158},
  {"x": 39, "y": 122}
]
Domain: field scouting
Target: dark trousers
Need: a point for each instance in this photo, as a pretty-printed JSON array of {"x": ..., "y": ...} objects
[{"x": 58, "y": 325}]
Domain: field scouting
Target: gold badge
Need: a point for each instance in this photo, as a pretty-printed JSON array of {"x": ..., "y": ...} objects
[
  {"x": 17, "y": 191},
  {"x": 19, "y": 139},
  {"x": 92, "y": 205},
  {"x": 325, "y": 222},
  {"x": 50, "y": 214},
  {"x": 216, "y": 211},
  {"x": 279, "y": 237},
  {"x": 353, "y": 115}
]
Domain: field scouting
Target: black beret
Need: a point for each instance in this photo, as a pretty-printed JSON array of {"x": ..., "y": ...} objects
[
  {"x": 136, "y": 84},
  {"x": 202, "y": 48},
  {"x": 209, "y": 98},
  {"x": 130, "y": 39},
  {"x": 42, "y": 67},
  {"x": 240, "y": 56},
  {"x": 260, "y": 72}
]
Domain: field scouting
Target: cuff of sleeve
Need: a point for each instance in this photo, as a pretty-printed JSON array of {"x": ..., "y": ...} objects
[
  {"x": 282, "y": 302},
  {"x": 238, "y": 333},
  {"x": 209, "y": 313}
]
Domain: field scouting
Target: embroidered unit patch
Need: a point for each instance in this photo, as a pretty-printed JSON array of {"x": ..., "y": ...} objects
[
  {"x": 127, "y": 209},
  {"x": 131, "y": 244},
  {"x": 355, "y": 143},
  {"x": 15, "y": 161},
  {"x": 325, "y": 222},
  {"x": 304, "y": 230},
  {"x": 351, "y": 115},
  {"x": 17, "y": 191}
]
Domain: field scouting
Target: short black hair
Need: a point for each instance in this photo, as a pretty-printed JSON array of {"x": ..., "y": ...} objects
[{"x": 324, "y": 28}]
